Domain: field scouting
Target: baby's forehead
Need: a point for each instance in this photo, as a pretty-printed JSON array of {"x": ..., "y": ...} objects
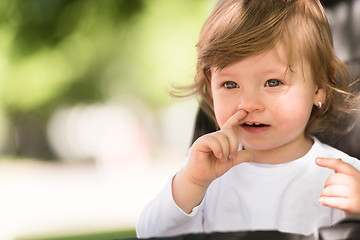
[{"x": 276, "y": 59}]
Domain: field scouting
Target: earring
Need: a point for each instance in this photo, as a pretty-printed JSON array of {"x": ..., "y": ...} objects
[{"x": 320, "y": 105}]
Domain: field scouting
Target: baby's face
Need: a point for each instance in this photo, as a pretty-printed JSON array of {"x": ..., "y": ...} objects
[{"x": 279, "y": 100}]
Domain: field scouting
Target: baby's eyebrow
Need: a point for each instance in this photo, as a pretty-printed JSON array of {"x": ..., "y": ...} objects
[
  {"x": 225, "y": 74},
  {"x": 274, "y": 70}
]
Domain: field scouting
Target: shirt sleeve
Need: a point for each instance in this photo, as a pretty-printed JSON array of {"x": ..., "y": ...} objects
[
  {"x": 356, "y": 163},
  {"x": 162, "y": 217}
]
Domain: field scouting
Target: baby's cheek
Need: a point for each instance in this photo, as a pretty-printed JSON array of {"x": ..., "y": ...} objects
[
  {"x": 221, "y": 118},
  {"x": 221, "y": 122},
  {"x": 291, "y": 119}
]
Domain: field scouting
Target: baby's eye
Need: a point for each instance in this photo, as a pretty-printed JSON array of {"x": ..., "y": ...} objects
[
  {"x": 230, "y": 85},
  {"x": 273, "y": 83}
]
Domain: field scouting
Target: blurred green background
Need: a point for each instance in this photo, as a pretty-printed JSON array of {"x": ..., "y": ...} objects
[
  {"x": 61, "y": 53},
  {"x": 87, "y": 126},
  {"x": 88, "y": 131}
]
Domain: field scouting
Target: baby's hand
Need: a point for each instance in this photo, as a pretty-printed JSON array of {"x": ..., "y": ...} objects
[
  {"x": 342, "y": 189},
  {"x": 214, "y": 154}
]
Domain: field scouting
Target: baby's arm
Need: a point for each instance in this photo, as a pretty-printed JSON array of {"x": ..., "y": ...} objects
[
  {"x": 211, "y": 156},
  {"x": 342, "y": 189}
]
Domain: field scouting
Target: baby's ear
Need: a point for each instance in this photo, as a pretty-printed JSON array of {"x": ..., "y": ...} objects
[{"x": 320, "y": 94}]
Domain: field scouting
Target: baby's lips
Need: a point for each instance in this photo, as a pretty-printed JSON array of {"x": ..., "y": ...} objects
[{"x": 252, "y": 123}]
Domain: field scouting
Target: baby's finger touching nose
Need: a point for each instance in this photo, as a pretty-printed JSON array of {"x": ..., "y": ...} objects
[{"x": 235, "y": 119}]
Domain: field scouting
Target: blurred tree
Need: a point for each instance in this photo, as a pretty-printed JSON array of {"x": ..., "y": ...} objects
[
  {"x": 50, "y": 44},
  {"x": 53, "y": 53},
  {"x": 64, "y": 52}
]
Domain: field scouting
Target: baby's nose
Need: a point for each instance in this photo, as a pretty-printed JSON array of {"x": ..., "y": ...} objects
[{"x": 250, "y": 102}]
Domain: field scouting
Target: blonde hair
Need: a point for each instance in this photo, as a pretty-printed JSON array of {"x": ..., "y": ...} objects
[{"x": 237, "y": 29}]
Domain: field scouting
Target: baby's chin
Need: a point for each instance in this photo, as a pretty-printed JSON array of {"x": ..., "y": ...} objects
[{"x": 261, "y": 146}]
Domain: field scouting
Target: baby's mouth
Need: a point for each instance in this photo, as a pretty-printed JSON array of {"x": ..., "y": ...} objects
[{"x": 251, "y": 124}]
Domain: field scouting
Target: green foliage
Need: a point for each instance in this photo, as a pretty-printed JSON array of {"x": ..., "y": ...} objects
[
  {"x": 56, "y": 53},
  {"x": 51, "y": 46},
  {"x": 67, "y": 51}
]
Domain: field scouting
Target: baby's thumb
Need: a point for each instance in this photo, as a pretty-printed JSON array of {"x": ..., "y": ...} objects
[{"x": 242, "y": 156}]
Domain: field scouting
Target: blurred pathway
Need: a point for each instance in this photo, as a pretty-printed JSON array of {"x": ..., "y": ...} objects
[{"x": 49, "y": 199}]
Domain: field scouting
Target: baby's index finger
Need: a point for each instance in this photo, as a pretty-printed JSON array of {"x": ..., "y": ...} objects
[
  {"x": 337, "y": 165},
  {"x": 235, "y": 119}
]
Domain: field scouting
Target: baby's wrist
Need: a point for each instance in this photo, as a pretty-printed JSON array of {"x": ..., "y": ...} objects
[
  {"x": 191, "y": 180},
  {"x": 186, "y": 193}
]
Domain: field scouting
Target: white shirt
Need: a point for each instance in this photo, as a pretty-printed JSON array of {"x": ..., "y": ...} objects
[{"x": 252, "y": 196}]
